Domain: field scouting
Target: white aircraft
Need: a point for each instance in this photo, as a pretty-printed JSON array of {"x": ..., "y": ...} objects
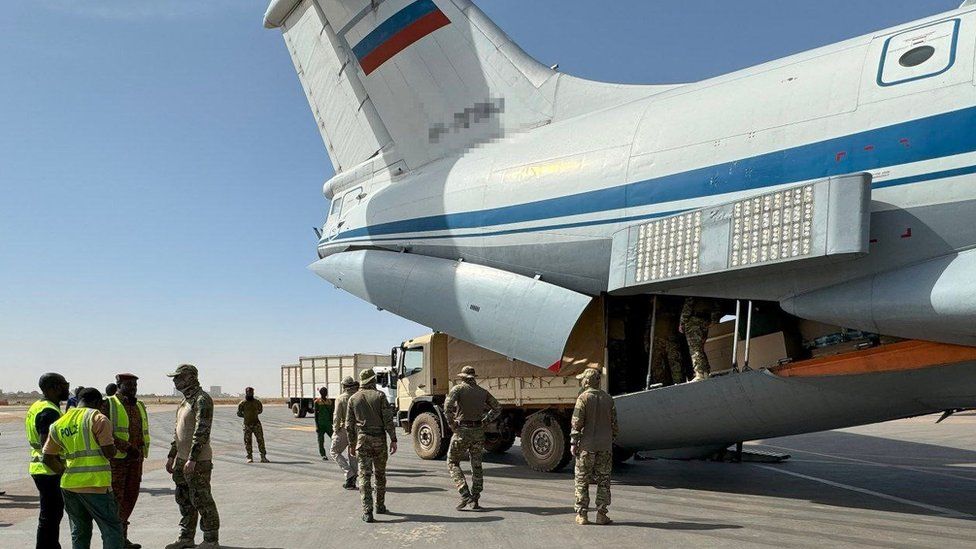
[{"x": 486, "y": 195}]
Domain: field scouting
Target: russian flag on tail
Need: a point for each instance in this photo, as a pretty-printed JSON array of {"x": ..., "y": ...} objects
[{"x": 394, "y": 35}]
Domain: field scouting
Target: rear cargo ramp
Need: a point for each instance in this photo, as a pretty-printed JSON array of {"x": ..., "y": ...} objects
[{"x": 799, "y": 398}]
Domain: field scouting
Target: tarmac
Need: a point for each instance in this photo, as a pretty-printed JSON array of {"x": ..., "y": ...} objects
[{"x": 908, "y": 483}]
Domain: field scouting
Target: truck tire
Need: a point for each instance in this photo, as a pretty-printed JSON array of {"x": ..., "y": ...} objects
[
  {"x": 545, "y": 442},
  {"x": 428, "y": 439},
  {"x": 296, "y": 409},
  {"x": 499, "y": 444}
]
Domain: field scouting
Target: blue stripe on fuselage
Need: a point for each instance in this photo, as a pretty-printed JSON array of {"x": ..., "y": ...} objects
[{"x": 918, "y": 140}]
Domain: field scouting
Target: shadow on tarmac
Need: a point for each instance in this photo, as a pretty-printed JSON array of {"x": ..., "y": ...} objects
[
  {"x": 412, "y": 489},
  {"x": 158, "y": 491},
  {"x": 919, "y": 472},
  {"x": 222, "y": 546},
  {"x": 673, "y": 525},
  {"x": 19, "y": 502},
  {"x": 411, "y": 517},
  {"x": 538, "y": 511}
]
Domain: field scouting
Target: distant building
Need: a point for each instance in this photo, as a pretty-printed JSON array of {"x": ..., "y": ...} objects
[{"x": 216, "y": 391}]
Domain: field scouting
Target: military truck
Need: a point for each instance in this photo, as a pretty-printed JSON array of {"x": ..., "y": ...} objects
[
  {"x": 537, "y": 404},
  {"x": 300, "y": 382}
]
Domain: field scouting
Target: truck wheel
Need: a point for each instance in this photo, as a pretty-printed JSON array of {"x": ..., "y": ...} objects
[
  {"x": 302, "y": 410},
  {"x": 499, "y": 444},
  {"x": 428, "y": 440},
  {"x": 545, "y": 442},
  {"x": 296, "y": 409}
]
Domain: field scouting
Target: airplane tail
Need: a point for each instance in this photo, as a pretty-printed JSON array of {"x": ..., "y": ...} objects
[{"x": 410, "y": 81}]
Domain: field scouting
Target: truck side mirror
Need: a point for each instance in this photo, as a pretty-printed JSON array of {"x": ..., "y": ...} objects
[{"x": 393, "y": 358}]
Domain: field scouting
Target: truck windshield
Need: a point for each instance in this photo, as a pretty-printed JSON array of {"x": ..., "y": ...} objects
[{"x": 413, "y": 361}]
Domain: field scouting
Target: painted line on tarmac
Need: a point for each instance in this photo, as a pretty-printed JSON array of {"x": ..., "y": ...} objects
[
  {"x": 923, "y": 470},
  {"x": 935, "y": 508}
]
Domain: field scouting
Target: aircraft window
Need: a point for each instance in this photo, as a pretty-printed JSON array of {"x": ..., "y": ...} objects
[
  {"x": 916, "y": 56},
  {"x": 349, "y": 200},
  {"x": 413, "y": 361}
]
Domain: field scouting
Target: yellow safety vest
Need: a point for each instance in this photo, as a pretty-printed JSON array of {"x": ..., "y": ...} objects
[
  {"x": 120, "y": 424},
  {"x": 37, "y": 466},
  {"x": 85, "y": 464}
]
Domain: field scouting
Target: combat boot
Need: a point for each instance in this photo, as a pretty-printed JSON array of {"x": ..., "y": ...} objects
[
  {"x": 209, "y": 545},
  {"x": 368, "y": 517},
  {"x": 474, "y": 503},
  {"x": 126, "y": 544},
  {"x": 182, "y": 543},
  {"x": 350, "y": 484},
  {"x": 264, "y": 459},
  {"x": 581, "y": 519},
  {"x": 382, "y": 510},
  {"x": 463, "y": 502},
  {"x": 249, "y": 460},
  {"x": 602, "y": 518}
]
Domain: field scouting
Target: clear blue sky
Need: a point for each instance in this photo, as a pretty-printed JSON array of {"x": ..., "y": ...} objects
[{"x": 160, "y": 172}]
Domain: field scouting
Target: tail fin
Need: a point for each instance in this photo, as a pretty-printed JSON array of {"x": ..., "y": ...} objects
[{"x": 412, "y": 80}]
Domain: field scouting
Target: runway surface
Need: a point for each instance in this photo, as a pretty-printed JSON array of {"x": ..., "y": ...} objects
[{"x": 909, "y": 483}]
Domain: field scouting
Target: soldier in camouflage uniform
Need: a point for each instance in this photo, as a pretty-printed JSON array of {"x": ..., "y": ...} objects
[
  {"x": 468, "y": 408},
  {"x": 369, "y": 420},
  {"x": 697, "y": 314},
  {"x": 190, "y": 461},
  {"x": 593, "y": 430},
  {"x": 340, "y": 438},
  {"x": 667, "y": 364},
  {"x": 249, "y": 409}
]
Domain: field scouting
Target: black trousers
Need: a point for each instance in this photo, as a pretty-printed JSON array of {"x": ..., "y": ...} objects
[{"x": 52, "y": 511}]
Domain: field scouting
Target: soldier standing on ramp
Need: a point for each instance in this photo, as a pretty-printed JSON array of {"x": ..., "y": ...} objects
[
  {"x": 190, "y": 461},
  {"x": 594, "y": 428},
  {"x": 697, "y": 314},
  {"x": 249, "y": 409},
  {"x": 468, "y": 408},
  {"x": 340, "y": 440},
  {"x": 369, "y": 420}
]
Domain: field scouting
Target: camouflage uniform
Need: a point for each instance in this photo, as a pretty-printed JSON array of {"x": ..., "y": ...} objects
[
  {"x": 191, "y": 442},
  {"x": 697, "y": 315},
  {"x": 593, "y": 430},
  {"x": 668, "y": 360},
  {"x": 369, "y": 420},
  {"x": 340, "y": 438},
  {"x": 249, "y": 410},
  {"x": 468, "y": 408}
]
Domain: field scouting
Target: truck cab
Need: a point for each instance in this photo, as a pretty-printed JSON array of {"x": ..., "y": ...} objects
[
  {"x": 536, "y": 403},
  {"x": 421, "y": 368}
]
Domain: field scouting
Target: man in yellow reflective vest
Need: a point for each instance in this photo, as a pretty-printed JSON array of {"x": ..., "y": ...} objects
[
  {"x": 40, "y": 416},
  {"x": 130, "y": 427},
  {"x": 83, "y": 438}
]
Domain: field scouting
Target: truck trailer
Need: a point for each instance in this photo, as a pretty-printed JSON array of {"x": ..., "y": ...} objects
[{"x": 300, "y": 382}]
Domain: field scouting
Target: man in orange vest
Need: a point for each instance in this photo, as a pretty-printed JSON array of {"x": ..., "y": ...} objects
[{"x": 41, "y": 415}]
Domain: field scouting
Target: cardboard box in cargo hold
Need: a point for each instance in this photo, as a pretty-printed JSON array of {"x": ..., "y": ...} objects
[{"x": 764, "y": 351}]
